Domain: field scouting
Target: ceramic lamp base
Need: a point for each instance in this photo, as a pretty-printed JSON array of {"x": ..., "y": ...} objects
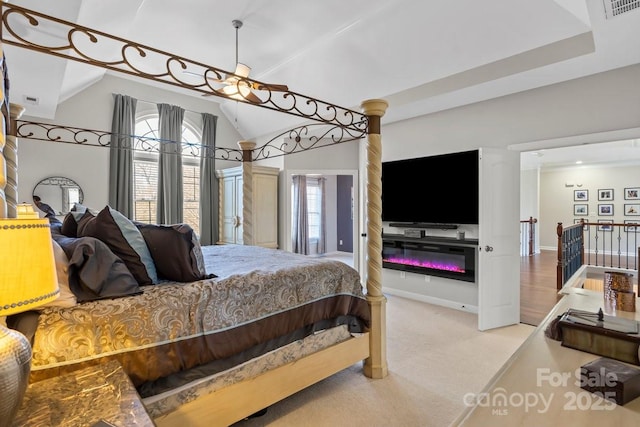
[{"x": 15, "y": 366}]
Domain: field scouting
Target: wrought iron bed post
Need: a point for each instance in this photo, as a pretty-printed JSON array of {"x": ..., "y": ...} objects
[{"x": 376, "y": 365}]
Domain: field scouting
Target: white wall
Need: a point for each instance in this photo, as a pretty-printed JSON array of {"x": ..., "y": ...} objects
[
  {"x": 337, "y": 160},
  {"x": 93, "y": 109},
  {"x": 530, "y": 203},
  {"x": 601, "y": 103},
  {"x": 556, "y": 198}
]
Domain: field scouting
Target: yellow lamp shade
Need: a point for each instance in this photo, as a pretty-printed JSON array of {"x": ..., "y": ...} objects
[
  {"x": 25, "y": 210},
  {"x": 27, "y": 266}
]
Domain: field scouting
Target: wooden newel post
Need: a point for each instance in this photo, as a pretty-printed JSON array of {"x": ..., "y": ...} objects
[
  {"x": 532, "y": 235},
  {"x": 559, "y": 272},
  {"x": 376, "y": 365}
]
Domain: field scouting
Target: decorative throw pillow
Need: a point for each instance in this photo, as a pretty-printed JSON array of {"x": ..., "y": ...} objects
[
  {"x": 175, "y": 250},
  {"x": 69, "y": 226},
  {"x": 86, "y": 223},
  {"x": 70, "y": 222},
  {"x": 95, "y": 272},
  {"x": 66, "y": 297},
  {"x": 125, "y": 241}
]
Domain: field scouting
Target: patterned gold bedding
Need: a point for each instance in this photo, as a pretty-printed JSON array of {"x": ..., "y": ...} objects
[{"x": 258, "y": 296}]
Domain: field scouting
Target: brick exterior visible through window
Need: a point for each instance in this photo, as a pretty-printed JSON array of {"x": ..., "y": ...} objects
[{"x": 145, "y": 172}]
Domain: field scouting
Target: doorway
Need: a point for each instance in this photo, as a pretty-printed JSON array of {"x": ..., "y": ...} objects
[{"x": 341, "y": 209}]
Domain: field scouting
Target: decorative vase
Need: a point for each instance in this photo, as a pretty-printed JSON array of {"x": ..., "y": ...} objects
[{"x": 15, "y": 366}]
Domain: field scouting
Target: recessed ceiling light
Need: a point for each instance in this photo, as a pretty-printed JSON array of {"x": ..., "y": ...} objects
[{"x": 578, "y": 162}]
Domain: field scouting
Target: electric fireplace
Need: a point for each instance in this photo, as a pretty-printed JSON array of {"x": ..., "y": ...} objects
[{"x": 441, "y": 257}]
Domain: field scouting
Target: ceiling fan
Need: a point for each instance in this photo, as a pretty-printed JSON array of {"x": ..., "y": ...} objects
[{"x": 237, "y": 86}]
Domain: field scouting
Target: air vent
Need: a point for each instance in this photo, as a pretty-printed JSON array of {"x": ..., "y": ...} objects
[
  {"x": 614, "y": 8},
  {"x": 32, "y": 100}
]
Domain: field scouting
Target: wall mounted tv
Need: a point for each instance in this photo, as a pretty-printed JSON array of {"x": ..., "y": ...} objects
[{"x": 440, "y": 189}]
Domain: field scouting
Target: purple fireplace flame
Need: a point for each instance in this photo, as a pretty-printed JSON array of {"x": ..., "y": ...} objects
[
  {"x": 426, "y": 264},
  {"x": 441, "y": 257}
]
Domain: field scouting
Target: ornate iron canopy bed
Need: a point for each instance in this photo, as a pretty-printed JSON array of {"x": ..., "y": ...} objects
[{"x": 331, "y": 125}]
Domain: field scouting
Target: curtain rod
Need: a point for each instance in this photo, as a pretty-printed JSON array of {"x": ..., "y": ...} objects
[{"x": 156, "y": 103}]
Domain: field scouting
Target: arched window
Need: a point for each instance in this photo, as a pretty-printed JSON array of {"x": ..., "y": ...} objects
[{"x": 145, "y": 171}]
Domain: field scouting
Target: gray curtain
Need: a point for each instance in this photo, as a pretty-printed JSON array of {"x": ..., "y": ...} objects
[
  {"x": 300, "y": 226},
  {"x": 322, "y": 242},
  {"x": 209, "y": 197},
  {"x": 121, "y": 155},
  {"x": 170, "y": 164}
]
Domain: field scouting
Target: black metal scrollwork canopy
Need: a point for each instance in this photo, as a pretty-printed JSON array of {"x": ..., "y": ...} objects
[{"x": 340, "y": 124}]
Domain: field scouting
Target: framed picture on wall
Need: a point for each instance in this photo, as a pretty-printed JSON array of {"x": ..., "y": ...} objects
[
  {"x": 580, "y": 195},
  {"x": 605, "y": 194},
  {"x": 605, "y": 225},
  {"x": 632, "y": 193},
  {"x": 605, "y": 209},
  {"x": 632, "y": 209},
  {"x": 581, "y": 209},
  {"x": 635, "y": 228}
]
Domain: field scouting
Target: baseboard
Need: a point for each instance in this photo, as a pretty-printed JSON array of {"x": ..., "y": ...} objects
[
  {"x": 338, "y": 253},
  {"x": 432, "y": 300}
]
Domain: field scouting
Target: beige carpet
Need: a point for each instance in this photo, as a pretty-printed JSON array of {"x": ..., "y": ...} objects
[{"x": 436, "y": 355}]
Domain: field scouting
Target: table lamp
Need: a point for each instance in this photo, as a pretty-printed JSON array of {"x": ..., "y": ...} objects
[{"x": 27, "y": 280}]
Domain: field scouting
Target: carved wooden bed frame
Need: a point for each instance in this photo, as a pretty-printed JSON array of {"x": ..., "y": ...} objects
[{"x": 239, "y": 400}]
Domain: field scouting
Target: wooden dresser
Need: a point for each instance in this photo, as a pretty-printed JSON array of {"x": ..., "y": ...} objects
[{"x": 261, "y": 224}]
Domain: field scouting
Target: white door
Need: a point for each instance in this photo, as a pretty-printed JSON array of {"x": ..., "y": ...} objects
[
  {"x": 231, "y": 214},
  {"x": 499, "y": 239},
  {"x": 355, "y": 217}
]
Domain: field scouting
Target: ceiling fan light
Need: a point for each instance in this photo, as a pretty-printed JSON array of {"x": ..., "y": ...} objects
[
  {"x": 239, "y": 91},
  {"x": 242, "y": 70}
]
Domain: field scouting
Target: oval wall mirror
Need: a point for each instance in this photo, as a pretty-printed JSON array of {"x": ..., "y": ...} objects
[{"x": 59, "y": 192}]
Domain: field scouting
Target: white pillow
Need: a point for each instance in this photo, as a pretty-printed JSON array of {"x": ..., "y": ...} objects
[{"x": 66, "y": 297}]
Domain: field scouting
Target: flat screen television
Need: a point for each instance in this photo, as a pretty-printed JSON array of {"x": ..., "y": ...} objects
[{"x": 440, "y": 189}]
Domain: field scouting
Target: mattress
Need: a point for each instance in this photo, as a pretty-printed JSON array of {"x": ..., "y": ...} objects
[{"x": 261, "y": 299}]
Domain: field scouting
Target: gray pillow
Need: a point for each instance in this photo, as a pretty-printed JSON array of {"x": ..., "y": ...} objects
[
  {"x": 175, "y": 250},
  {"x": 71, "y": 220},
  {"x": 124, "y": 240},
  {"x": 94, "y": 271}
]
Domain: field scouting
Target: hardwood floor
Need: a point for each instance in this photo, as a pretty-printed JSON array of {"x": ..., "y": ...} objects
[{"x": 538, "y": 294}]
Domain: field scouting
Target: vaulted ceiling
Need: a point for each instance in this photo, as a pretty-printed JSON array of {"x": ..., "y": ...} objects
[{"x": 421, "y": 56}]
